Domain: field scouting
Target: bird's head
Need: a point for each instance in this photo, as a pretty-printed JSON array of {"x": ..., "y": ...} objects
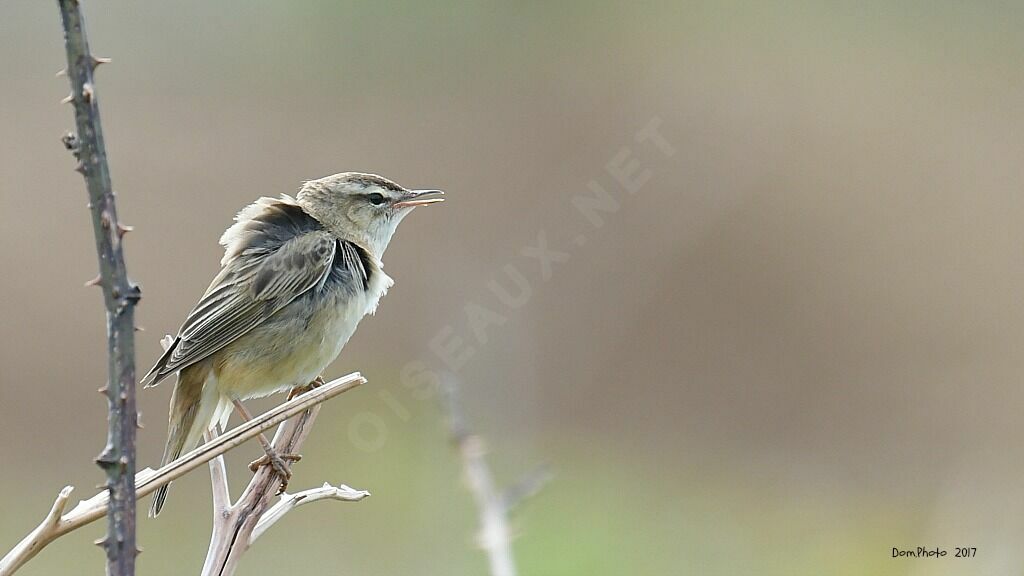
[{"x": 363, "y": 208}]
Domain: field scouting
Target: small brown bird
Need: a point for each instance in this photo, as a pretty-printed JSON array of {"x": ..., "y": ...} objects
[{"x": 297, "y": 276}]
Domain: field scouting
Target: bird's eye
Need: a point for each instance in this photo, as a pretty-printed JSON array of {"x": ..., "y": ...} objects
[{"x": 376, "y": 198}]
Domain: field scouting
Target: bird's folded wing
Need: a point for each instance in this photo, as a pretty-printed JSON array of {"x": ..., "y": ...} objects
[{"x": 250, "y": 288}]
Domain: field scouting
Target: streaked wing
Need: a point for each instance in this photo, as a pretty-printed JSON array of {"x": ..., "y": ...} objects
[{"x": 249, "y": 289}]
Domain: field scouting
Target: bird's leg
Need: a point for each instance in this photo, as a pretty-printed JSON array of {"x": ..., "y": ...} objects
[
  {"x": 316, "y": 383},
  {"x": 279, "y": 462}
]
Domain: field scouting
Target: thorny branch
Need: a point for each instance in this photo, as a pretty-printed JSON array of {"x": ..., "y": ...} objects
[{"x": 119, "y": 294}]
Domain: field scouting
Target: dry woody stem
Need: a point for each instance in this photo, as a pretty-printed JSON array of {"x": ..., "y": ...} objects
[
  {"x": 236, "y": 526},
  {"x": 120, "y": 295},
  {"x": 58, "y": 523}
]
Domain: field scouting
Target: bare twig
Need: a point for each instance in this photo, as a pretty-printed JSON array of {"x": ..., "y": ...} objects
[
  {"x": 236, "y": 526},
  {"x": 493, "y": 505},
  {"x": 119, "y": 294},
  {"x": 149, "y": 480},
  {"x": 289, "y": 502},
  {"x": 218, "y": 478},
  {"x": 494, "y": 536}
]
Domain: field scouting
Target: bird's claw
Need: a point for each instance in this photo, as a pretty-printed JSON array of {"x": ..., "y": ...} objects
[
  {"x": 279, "y": 463},
  {"x": 316, "y": 383}
]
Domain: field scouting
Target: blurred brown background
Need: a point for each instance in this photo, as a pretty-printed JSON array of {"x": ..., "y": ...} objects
[{"x": 794, "y": 348}]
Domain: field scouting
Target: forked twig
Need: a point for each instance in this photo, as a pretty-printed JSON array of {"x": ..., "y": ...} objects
[
  {"x": 236, "y": 526},
  {"x": 289, "y": 502},
  {"x": 493, "y": 505},
  {"x": 57, "y": 523}
]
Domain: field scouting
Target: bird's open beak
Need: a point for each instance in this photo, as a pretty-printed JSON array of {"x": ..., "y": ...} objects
[{"x": 414, "y": 198}]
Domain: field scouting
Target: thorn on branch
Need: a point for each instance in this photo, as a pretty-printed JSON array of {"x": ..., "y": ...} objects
[
  {"x": 68, "y": 99},
  {"x": 106, "y": 459},
  {"x": 123, "y": 229},
  {"x": 61, "y": 72},
  {"x": 97, "y": 60},
  {"x": 134, "y": 293},
  {"x": 97, "y": 281}
]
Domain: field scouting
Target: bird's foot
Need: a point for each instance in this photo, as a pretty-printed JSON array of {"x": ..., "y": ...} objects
[
  {"x": 279, "y": 463},
  {"x": 316, "y": 383}
]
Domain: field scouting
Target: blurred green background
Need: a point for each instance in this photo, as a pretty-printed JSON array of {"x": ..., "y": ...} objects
[{"x": 794, "y": 348}]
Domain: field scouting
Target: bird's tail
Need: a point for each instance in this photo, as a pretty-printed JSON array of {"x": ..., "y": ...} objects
[{"x": 191, "y": 413}]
